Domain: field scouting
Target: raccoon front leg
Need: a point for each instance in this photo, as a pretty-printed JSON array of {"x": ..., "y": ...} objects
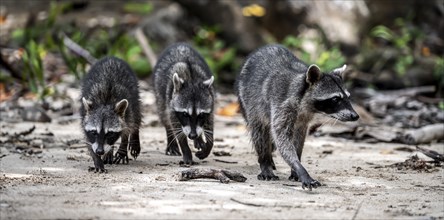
[
  {"x": 186, "y": 151},
  {"x": 260, "y": 135},
  {"x": 98, "y": 163},
  {"x": 108, "y": 158},
  {"x": 289, "y": 139},
  {"x": 207, "y": 145},
  {"x": 172, "y": 146},
  {"x": 134, "y": 144},
  {"x": 122, "y": 153},
  {"x": 293, "y": 175}
]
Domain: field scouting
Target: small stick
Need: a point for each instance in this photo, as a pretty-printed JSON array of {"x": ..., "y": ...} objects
[
  {"x": 431, "y": 153},
  {"x": 245, "y": 203},
  {"x": 357, "y": 210},
  {"x": 24, "y": 133},
  {"x": 225, "y": 161},
  {"x": 77, "y": 49},
  {"x": 143, "y": 41},
  {"x": 224, "y": 176}
]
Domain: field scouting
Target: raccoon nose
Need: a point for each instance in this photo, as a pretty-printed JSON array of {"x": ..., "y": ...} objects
[
  {"x": 192, "y": 136},
  {"x": 100, "y": 151},
  {"x": 354, "y": 117}
]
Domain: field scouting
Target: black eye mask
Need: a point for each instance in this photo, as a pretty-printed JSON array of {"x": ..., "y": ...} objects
[
  {"x": 328, "y": 106},
  {"x": 111, "y": 137}
]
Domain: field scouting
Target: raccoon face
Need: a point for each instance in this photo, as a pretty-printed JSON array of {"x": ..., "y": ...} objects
[
  {"x": 329, "y": 95},
  {"x": 192, "y": 105},
  {"x": 103, "y": 125}
]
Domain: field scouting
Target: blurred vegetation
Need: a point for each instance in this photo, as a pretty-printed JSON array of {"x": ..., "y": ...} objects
[
  {"x": 397, "y": 48},
  {"x": 326, "y": 58},
  {"x": 46, "y": 36},
  {"x": 214, "y": 50},
  {"x": 403, "y": 39}
]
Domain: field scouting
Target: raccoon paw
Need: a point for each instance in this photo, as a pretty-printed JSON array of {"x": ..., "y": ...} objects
[
  {"x": 173, "y": 150},
  {"x": 293, "y": 177},
  {"x": 202, "y": 154},
  {"x": 121, "y": 157},
  {"x": 95, "y": 170},
  {"x": 267, "y": 176},
  {"x": 135, "y": 150},
  {"x": 308, "y": 182},
  {"x": 108, "y": 158},
  {"x": 204, "y": 148},
  {"x": 187, "y": 163}
]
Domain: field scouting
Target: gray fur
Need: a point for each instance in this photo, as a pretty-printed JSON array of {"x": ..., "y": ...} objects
[
  {"x": 184, "y": 91},
  {"x": 279, "y": 95},
  {"x": 111, "y": 109}
]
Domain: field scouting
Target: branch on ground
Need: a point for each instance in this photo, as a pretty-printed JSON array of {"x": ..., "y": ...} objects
[{"x": 224, "y": 176}]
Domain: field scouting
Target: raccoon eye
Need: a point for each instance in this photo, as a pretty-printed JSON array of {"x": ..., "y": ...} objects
[
  {"x": 112, "y": 134},
  {"x": 184, "y": 114},
  {"x": 93, "y": 133},
  {"x": 202, "y": 115},
  {"x": 112, "y": 137},
  {"x": 335, "y": 99}
]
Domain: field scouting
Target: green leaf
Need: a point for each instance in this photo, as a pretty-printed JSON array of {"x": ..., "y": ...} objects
[
  {"x": 140, "y": 8},
  {"x": 382, "y": 32},
  {"x": 141, "y": 67},
  {"x": 291, "y": 41}
]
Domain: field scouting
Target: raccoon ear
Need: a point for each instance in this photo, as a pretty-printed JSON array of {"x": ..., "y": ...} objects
[
  {"x": 339, "y": 71},
  {"x": 177, "y": 82},
  {"x": 86, "y": 104},
  {"x": 313, "y": 74},
  {"x": 209, "y": 82},
  {"x": 121, "y": 107}
]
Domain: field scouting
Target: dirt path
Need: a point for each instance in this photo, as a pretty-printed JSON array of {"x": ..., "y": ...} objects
[{"x": 53, "y": 182}]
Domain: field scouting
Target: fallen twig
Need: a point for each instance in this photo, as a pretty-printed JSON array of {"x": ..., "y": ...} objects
[
  {"x": 246, "y": 203},
  {"x": 224, "y": 176},
  {"x": 225, "y": 161},
  {"x": 143, "y": 41},
  {"x": 24, "y": 133},
  {"x": 77, "y": 49},
  {"x": 431, "y": 153},
  {"x": 357, "y": 210},
  {"x": 221, "y": 153}
]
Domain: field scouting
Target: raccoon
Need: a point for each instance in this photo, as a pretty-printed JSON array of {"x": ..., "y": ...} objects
[
  {"x": 110, "y": 109},
  {"x": 184, "y": 91},
  {"x": 278, "y": 96}
]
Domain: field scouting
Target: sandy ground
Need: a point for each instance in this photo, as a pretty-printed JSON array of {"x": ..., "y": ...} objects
[{"x": 53, "y": 182}]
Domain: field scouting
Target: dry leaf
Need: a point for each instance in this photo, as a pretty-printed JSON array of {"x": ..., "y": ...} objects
[{"x": 229, "y": 110}]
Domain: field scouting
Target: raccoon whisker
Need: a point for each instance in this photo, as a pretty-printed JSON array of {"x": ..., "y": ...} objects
[
  {"x": 86, "y": 142},
  {"x": 208, "y": 135},
  {"x": 171, "y": 142},
  {"x": 208, "y": 131},
  {"x": 179, "y": 133},
  {"x": 329, "y": 120},
  {"x": 336, "y": 120},
  {"x": 176, "y": 134}
]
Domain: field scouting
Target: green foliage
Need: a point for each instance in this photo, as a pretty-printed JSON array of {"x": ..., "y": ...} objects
[
  {"x": 140, "y": 8},
  {"x": 296, "y": 43},
  {"x": 326, "y": 59},
  {"x": 330, "y": 59},
  {"x": 439, "y": 72},
  {"x": 439, "y": 68},
  {"x": 37, "y": 40},
  {"x": 46, "y": 36},
  {"x": 402, "y": 38},
  {"x": 128, "y": 49},
  {"x": 32, "y": 58},
  {"x": 441, "y": 105},
  {"x": 214, "y": 50}
]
